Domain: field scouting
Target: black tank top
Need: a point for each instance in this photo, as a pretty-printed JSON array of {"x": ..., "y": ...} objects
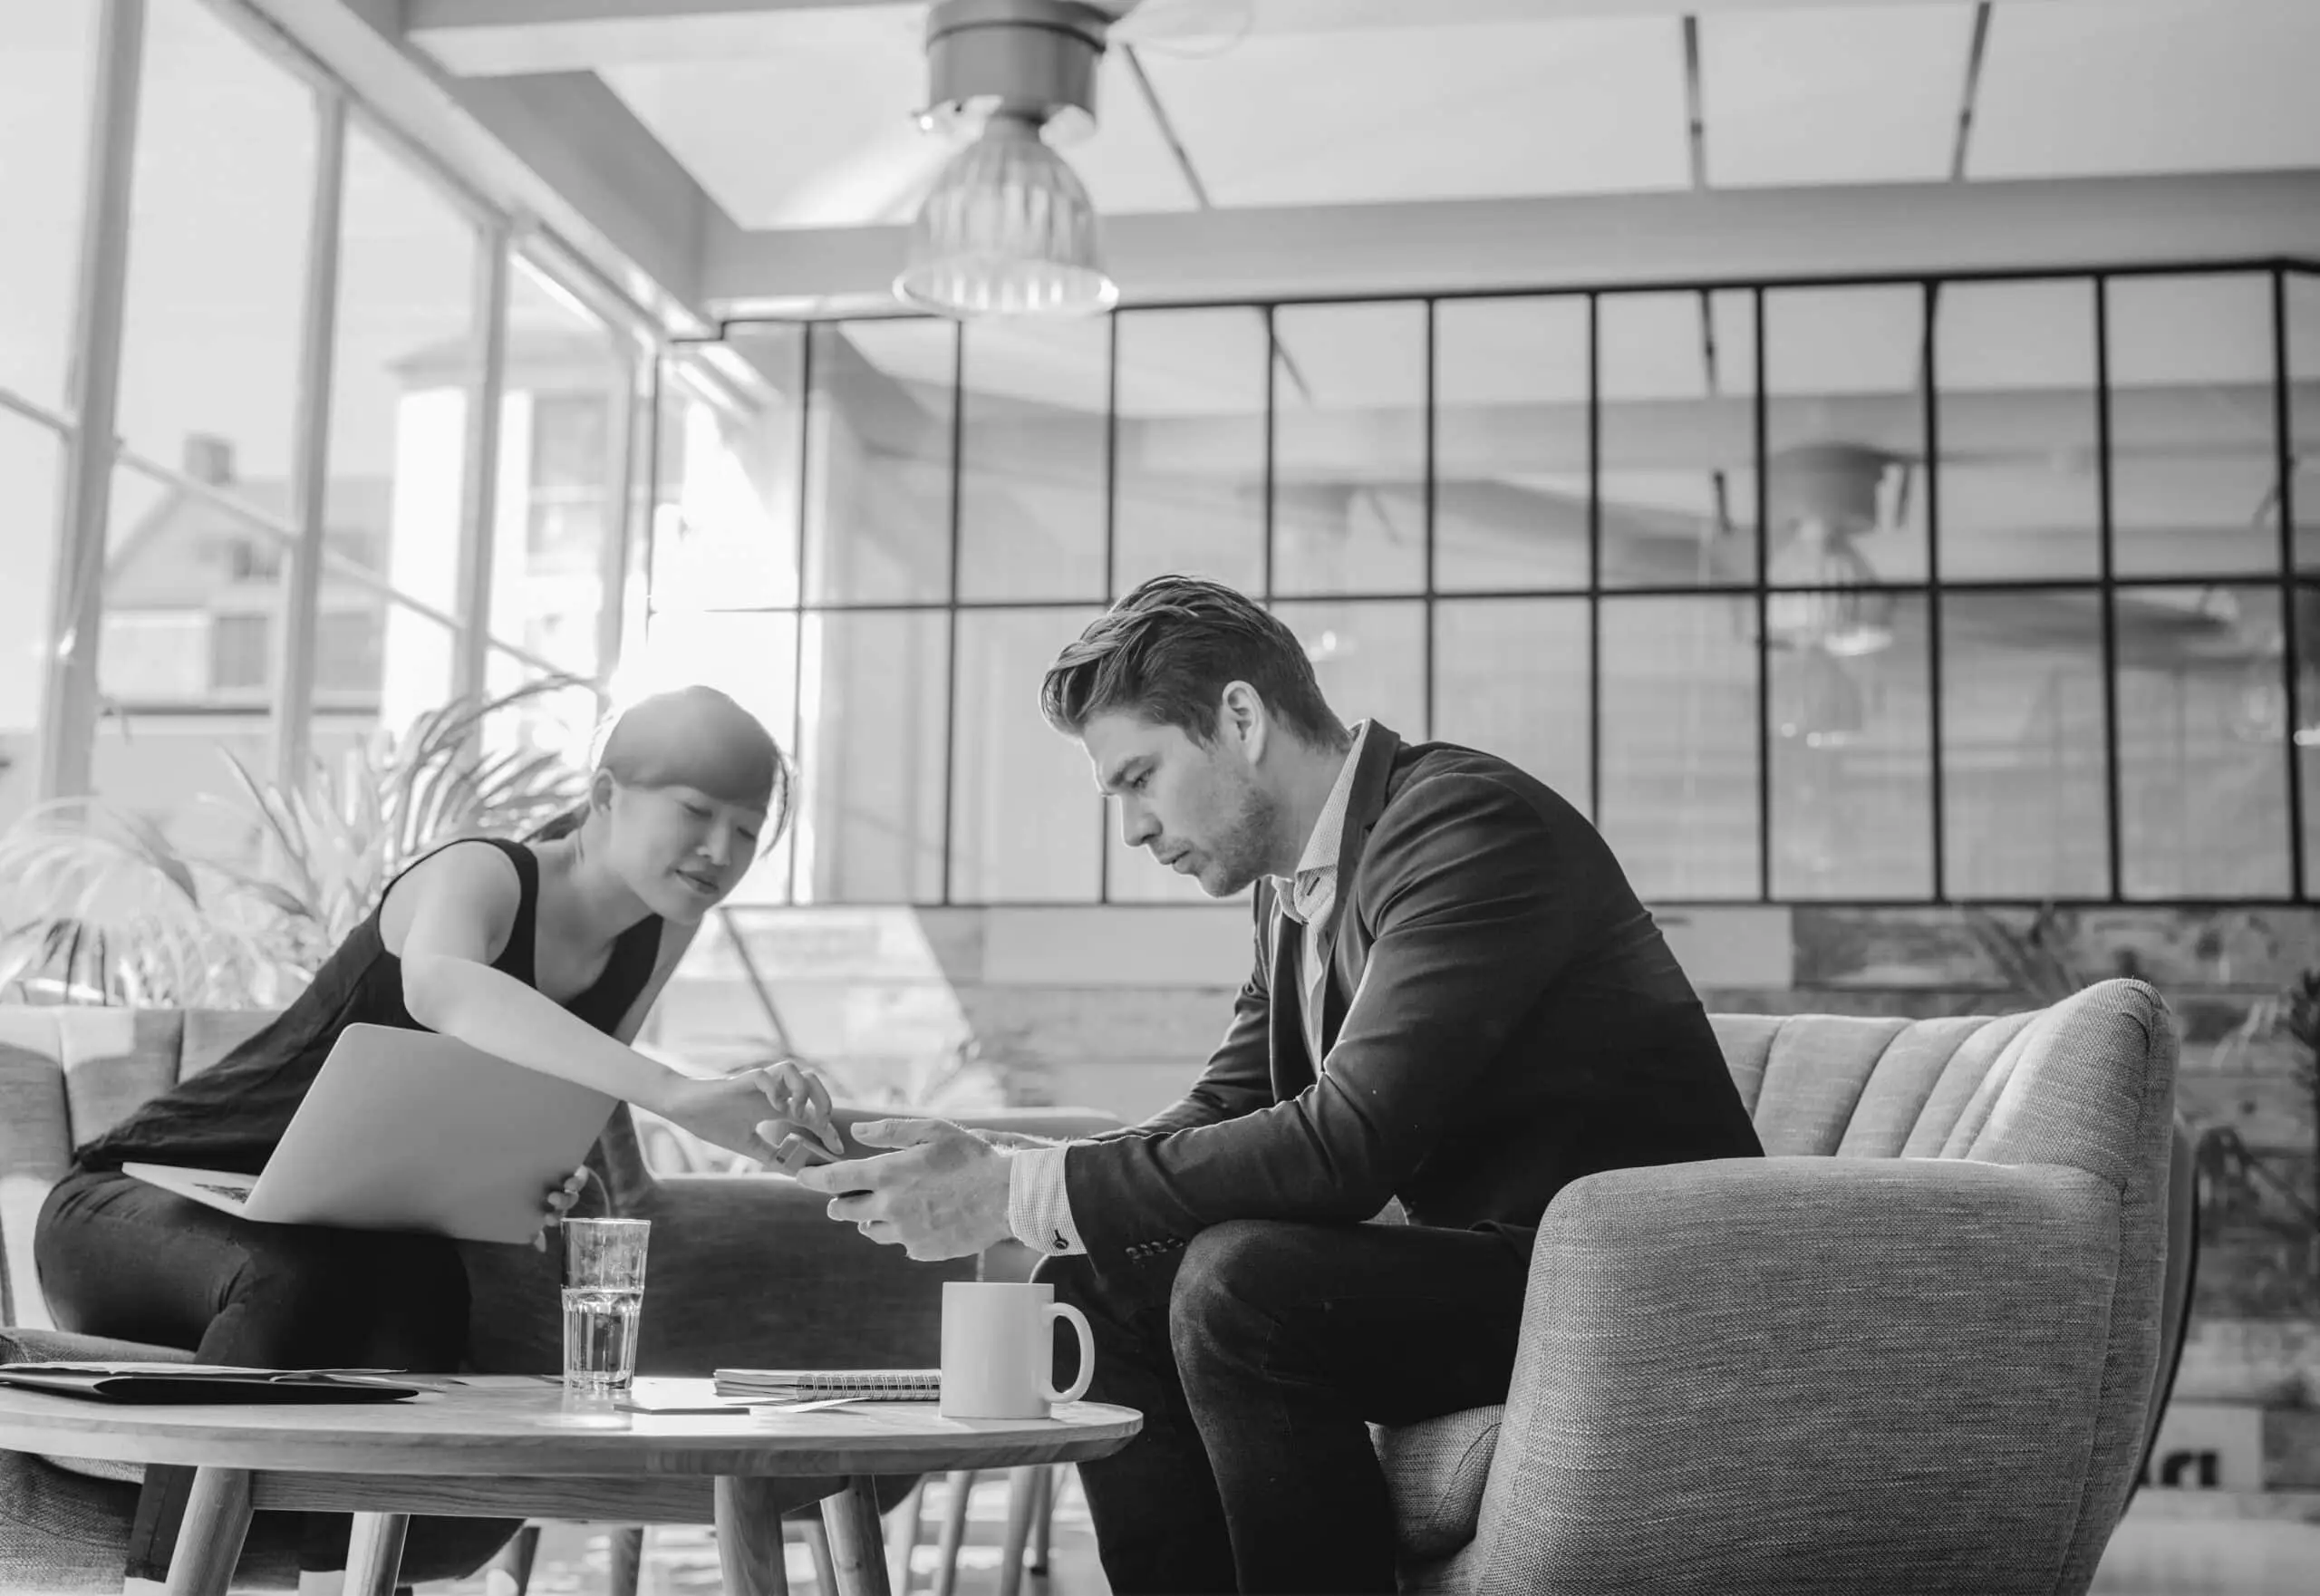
[{"x": 231, "y": 1116}]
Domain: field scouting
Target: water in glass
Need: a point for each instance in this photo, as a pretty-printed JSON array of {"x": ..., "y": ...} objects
[
  {"x": 600, "y": 1340},
  {"x": 603, "y": 1294}
]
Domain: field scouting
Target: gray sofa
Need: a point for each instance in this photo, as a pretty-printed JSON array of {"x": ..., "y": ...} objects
[{"x": 1922, "y": 1346}]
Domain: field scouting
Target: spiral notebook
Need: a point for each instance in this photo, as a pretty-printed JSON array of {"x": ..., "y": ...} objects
[{"x": 806, "y": 1384}]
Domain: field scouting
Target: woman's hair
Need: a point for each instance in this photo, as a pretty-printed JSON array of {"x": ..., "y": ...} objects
[
  {"x": 559, "y": 824},
  {"x": 1165, "y": 654},
  {"x": 695, "y": 737}
]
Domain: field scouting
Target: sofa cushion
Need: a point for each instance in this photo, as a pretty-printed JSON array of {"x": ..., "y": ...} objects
[{"x": 1435, "y": 1473}]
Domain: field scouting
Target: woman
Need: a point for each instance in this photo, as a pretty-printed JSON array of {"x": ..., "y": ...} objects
[{"x": 548, "y": 952}]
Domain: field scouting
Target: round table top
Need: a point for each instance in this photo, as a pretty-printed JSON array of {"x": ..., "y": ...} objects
[{"x": 523, "y": 1424}]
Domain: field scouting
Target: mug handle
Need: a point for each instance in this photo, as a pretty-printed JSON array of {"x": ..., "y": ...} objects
[{"x": 1055, "y": 1311}]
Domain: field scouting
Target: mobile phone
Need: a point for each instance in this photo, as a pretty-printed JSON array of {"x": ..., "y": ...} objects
[{"x": 797, "y": 1151}]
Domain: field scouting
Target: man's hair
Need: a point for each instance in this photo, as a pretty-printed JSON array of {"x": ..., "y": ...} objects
[{"x": 1165, "y": 654}]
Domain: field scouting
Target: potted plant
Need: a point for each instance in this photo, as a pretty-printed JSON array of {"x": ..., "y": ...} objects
[{"x": 98, "y": 905}]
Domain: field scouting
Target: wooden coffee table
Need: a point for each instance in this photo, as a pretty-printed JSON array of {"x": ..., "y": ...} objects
[{"x": 509, "y": 1446}]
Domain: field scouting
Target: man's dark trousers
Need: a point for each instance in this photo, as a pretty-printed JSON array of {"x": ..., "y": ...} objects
[{"x": 1258, "y": 1363}]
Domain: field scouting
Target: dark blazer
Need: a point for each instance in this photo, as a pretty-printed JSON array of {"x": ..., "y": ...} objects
[{"x": 1502, "y": 1017}]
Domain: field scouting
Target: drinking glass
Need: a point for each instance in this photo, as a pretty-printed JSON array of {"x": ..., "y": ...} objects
[{"x": 603, "y": 1294}]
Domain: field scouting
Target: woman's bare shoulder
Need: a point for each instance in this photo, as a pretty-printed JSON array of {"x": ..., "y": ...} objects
[{"x": 473, "y": 876}]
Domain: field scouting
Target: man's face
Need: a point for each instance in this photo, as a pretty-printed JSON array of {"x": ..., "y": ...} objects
[{"x": 1199, "y": 810}]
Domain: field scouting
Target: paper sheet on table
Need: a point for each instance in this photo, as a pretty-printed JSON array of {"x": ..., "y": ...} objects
[{"x": 666, "y": 1394}]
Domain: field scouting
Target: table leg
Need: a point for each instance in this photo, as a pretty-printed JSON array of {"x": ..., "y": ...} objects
[
  {"x": 1022, "y": 1506},
  {"x": 855, "y": 1543},
  {"x": 954, "y": 1531},
  {"x": 902, "y": 1537},
  {"x": 209, "y": 1538},
  {"x": 374, "y": 1553},
  {"x": 748, "y": 1539}
]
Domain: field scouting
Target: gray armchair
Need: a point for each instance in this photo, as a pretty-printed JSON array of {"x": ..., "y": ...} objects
[
  {"x": 764, "y": 1278},
  {"x": 1922, "y": 1346}
]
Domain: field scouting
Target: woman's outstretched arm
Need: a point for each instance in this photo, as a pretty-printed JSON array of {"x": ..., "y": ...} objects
[{"x": 450, "y": 916}]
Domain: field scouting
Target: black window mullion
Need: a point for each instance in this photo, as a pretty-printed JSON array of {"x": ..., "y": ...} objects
[
  {"x": 1594, "y": 561},
  {"x": 1111, "y": 563},
  {"x": 1764, "y": 609},
  {"x": 2107, "y": 570},
  {"x": 951, "y": 619},
  {"x": 1426, "y": 511},
  {"x": 1928, "y": 387},
  {"x": 2291, "y": 644}
]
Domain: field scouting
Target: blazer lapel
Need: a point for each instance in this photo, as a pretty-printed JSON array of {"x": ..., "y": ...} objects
[{"x": 1380, "y": 748}]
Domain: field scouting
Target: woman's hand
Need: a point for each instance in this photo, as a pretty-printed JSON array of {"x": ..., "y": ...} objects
[
  {"x": 727, "y": 1111},
  {"x": 560, "y": 1201}
]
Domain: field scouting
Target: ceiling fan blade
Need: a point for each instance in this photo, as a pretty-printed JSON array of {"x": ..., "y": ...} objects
[
  {"x": 881, "y": 181},
  {"x": 1190, "y": 27}
]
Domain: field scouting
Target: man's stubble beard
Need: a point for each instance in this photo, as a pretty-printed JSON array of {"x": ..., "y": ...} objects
[{"x": 1244, "y": 846}]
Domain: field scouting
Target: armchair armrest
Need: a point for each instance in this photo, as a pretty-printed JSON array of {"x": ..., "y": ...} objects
[
  {"x": 50, "y": 1346},
  {"x": 1810, "y": 1373}
]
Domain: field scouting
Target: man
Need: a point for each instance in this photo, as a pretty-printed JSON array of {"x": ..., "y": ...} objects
[{"x": 1456, "y": 1000}]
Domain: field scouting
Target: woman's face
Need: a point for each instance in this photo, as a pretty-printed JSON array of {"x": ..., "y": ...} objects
[{"x": 681, "y": 849}]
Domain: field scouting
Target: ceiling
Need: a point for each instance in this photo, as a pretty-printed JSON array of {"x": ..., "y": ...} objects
[{"x": 793, "y": 114}]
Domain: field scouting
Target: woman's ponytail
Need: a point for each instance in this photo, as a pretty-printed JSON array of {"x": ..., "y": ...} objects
[{"x": 563, "y": 825}]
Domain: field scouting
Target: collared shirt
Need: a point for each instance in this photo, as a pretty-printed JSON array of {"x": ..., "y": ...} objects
[
  {"x": 1038, "y": 1205},
  {"x": 1309, "y": 896}
]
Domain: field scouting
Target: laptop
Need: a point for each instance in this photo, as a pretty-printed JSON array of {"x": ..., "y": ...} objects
[{"x": 409, "y": 1130}]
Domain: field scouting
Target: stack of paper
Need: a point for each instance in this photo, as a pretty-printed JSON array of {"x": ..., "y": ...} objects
[{"x": 813, "y": 1385}]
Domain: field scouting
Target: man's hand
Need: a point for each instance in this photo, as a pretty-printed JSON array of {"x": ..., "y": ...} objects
[{"x": 943, "y": 1195}]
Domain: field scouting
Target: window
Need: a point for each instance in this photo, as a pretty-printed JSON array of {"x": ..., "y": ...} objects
[
  {"x": 238, "y": 656},
  {"x": 350, "y": 648},
  {"x": 557, "y": 542},
  {"x": 48, "y": 61},
  {"x": 1189, "y": 451},
  {"x": 253, "y": 559},
  {"x": 1877, "y": 592},
  {"x": 31, "y": 457},
  {"x": 1510, "y": 444},
  {"x": 1348, "y": 472},
  {"x": 1033, "y": 493},
  {"x": 220, "y": 196},
  {"x": 878, "y": 507}
]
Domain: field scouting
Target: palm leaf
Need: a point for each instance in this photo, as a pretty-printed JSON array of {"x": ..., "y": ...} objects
[{"x": 99, "y": 904}]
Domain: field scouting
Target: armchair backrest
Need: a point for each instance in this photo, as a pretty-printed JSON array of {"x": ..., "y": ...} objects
[
  {"x": 68, "y": 1074},
  {"x": 2088, "y": 1083}
]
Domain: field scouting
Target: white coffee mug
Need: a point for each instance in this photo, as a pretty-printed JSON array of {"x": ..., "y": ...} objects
[{"x": 998, "y": 1349}]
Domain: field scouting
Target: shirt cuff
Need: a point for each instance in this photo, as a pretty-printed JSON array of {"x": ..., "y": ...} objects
[{"x": 1038, "y": 1205}]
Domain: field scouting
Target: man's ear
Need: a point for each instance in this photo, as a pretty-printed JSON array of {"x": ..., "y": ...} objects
[
  {"x": 1243, "y": 720},
  {"x": 600, "y": 791}
]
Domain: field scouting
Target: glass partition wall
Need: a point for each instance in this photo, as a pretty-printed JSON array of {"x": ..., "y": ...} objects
[
  {"x": 313, "y": 338},
  {"x": 1896, "y": 592}
]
